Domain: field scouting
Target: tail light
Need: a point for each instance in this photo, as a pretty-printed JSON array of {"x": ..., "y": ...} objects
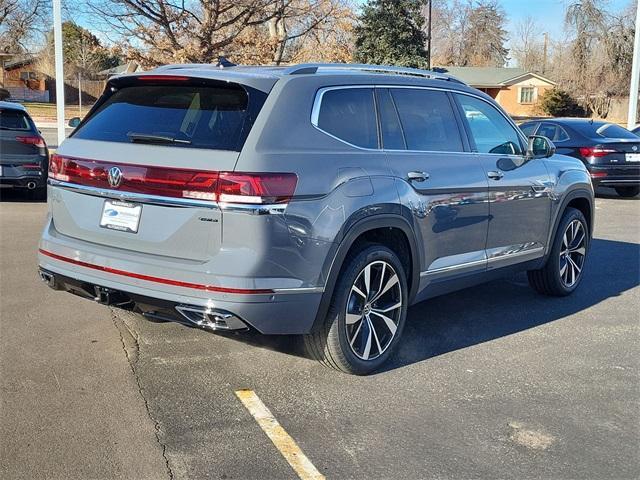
[
  {"x": 596, "y": 152},
  {"x": 598, "y": 174},
  {"x": 231, "y": 187},
  {"x": 256, "y": 188},
  {"x": 35, "y": 140},
  {"x": 31, "y": 166}
]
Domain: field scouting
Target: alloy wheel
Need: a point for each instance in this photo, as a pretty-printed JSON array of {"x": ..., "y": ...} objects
[
  {"x": 572, "y": 253},
  {"x": 374, "y": 309}
]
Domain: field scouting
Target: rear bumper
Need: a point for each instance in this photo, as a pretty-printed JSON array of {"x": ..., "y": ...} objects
[
  {"x": 615, "y": 176},
  {"x": 277, "y": 311},
  {"x": 29, "y": 181}
]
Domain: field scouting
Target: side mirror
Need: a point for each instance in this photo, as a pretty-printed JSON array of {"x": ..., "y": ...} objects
[
  {"x": 540, "y": 147},
  {"x": 74, "y": 122}
]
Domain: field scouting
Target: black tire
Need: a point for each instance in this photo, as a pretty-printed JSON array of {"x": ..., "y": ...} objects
[
  {"x": 330, "y": 343},
  {"x": 628, "y": 192},
  {"x": 554, "y": 278}
]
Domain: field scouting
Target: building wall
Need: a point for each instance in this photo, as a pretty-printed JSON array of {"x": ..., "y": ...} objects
[
  {"x": 14, "y": 78},
  {"x": 510, "y": 96}
]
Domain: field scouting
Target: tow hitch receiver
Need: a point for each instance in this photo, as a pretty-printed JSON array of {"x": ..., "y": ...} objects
[{"x": 108, "y": 296}]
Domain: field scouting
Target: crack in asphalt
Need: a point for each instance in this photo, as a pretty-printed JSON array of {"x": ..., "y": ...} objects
[{"x": 132, "y": 360}]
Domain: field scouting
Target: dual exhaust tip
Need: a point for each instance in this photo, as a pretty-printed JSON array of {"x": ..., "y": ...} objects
[
  {"x": 210, "y": 319},
  {"x": 31, "y": 185},
  {"x": 202, "y": 317}
]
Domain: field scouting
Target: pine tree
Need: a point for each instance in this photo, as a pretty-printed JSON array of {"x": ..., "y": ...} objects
[{"x": 390, "y": 32}]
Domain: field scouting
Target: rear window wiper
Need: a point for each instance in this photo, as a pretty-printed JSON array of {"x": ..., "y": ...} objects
[{"x": 150, "y": 138}]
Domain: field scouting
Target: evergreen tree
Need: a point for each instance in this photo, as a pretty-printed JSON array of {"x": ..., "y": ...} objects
[{"x": 390, "y": 32}]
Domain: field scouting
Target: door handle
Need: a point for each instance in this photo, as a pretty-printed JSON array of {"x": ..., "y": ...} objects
[
  {"x": 417, "y": 176},
  {"x": 497, "y": 175}
]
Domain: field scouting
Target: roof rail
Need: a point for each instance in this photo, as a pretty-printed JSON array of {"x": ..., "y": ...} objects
[{"x": 311, "y": 68}]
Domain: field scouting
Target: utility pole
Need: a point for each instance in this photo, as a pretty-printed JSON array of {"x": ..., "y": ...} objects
[
  {"x": 429, "y": 37},
  {"x": 80, "y": 94},
  {"x": 544, "y": 52},
  {"x": 635, "y": 76},
  {"x": 57, "y": 39}
]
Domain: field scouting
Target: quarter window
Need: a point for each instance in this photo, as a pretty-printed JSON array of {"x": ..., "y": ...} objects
[
  {"x": 529, "y": 129},
  {"x": 427, "y": 119},
  {"x": 527, "y": 94},
  {"x": 491, "y": 131},
  {"x": 349, "y": 114}
]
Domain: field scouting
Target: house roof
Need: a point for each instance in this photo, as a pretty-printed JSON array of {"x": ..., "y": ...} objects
[
  {"x": 489, "y": 76},
  {"x": 19, "y": 62},
  {"x": 128, "y": 67}
]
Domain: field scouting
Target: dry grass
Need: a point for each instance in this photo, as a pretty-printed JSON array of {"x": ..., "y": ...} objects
[{"x": 47, "y": 111}]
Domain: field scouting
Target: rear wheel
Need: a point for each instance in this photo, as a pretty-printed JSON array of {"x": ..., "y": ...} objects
[
  {"x": 627, "y": 192},
  {"x": 562, "y": 273},
  {"x": 366, "y": 316}
]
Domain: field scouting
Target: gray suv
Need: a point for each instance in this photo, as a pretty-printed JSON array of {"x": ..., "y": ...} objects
[{"x": 316, "y": 199}]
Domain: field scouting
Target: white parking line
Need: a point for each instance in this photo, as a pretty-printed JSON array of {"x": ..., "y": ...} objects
[{"x": 280, "y": 438}]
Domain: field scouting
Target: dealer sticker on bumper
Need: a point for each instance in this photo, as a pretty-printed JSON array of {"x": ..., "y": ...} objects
[{"x": 121, "y": 216}]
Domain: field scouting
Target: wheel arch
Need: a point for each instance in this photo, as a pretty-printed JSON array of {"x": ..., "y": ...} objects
[
  {"x": 580, "y": 199},
  {"x": 361, "y": 233}
]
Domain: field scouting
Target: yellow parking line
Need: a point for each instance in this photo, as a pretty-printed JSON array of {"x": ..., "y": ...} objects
[{"x": 280, "y": 438}]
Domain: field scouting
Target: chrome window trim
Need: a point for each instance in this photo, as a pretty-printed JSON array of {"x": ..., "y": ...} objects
[
  {"x": 272, "y": 209},
  {"x": 317, "y": 103}
]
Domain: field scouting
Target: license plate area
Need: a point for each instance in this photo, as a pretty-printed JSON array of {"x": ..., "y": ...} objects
[
  {"x": 632, "y": 157},
  {"x": 121, "y": 216}
]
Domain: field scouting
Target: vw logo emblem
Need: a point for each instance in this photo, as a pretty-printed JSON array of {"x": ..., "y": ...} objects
[
  {"x": 114, "y": 177},
  {"x": 635, "y": 148}
]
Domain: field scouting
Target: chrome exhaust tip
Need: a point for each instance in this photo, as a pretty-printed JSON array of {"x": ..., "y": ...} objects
[
  {"x": 31, "y": 185},
  {"x": 210, "y": 319},
  {"x": 48, "y": 278}
]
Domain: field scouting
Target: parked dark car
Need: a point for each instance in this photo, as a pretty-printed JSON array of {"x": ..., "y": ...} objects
[
  {"x": 610, "y": 152},
  {"x": 24, "y": 157}
]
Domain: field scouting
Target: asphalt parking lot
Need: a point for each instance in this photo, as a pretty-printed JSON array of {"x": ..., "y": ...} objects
[{"x": 490, "y": 382}]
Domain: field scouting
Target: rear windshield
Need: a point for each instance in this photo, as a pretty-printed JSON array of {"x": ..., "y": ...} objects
[
  {"x": 179, "y": 115},
  {"x": 611, "y": 130},
  {"x": 14, "y": 120}
]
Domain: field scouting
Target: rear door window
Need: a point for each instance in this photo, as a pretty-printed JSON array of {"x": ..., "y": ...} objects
[
  {"x": 179, "y": 115},
  {"x": 350, "y": 115},
  {"x": 555, "y": 133},
  {"x": 427, "y": 119},
  {"x": 392, "y": 136},
  {"x": 491, "y": 131},
  {"x": 14, "y": 120}
]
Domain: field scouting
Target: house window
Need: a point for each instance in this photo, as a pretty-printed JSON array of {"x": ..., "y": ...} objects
[
  {"x": 28, "y": 76},
  {"x": 527, "y": 94}
]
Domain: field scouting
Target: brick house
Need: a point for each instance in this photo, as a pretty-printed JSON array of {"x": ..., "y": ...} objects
[
  {"x": 515, "y": 89},
  {"x": 21, "y": 77}
]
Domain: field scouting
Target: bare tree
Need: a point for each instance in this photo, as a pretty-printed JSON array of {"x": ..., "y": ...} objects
[
  {"x": 19, "y": 20},
  {"x": 527, "y": 47},
  {"x": 469, "y": 33}
]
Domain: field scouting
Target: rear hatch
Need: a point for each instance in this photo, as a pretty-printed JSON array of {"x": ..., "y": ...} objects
[
  {"x": 20, "y": 143},
  {"x": 140, "y": 173}
]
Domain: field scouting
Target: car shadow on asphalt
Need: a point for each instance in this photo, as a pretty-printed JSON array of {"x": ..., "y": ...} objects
[
  {"x": 493, "y": 310},
  {"x": 20, "y": 196}
]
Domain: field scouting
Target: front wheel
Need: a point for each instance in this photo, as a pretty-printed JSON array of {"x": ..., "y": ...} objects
[
  {"x": 628, "y": 192},
  {"x": 563, "y": 270},
  {"x": 366, "y": 316}
]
